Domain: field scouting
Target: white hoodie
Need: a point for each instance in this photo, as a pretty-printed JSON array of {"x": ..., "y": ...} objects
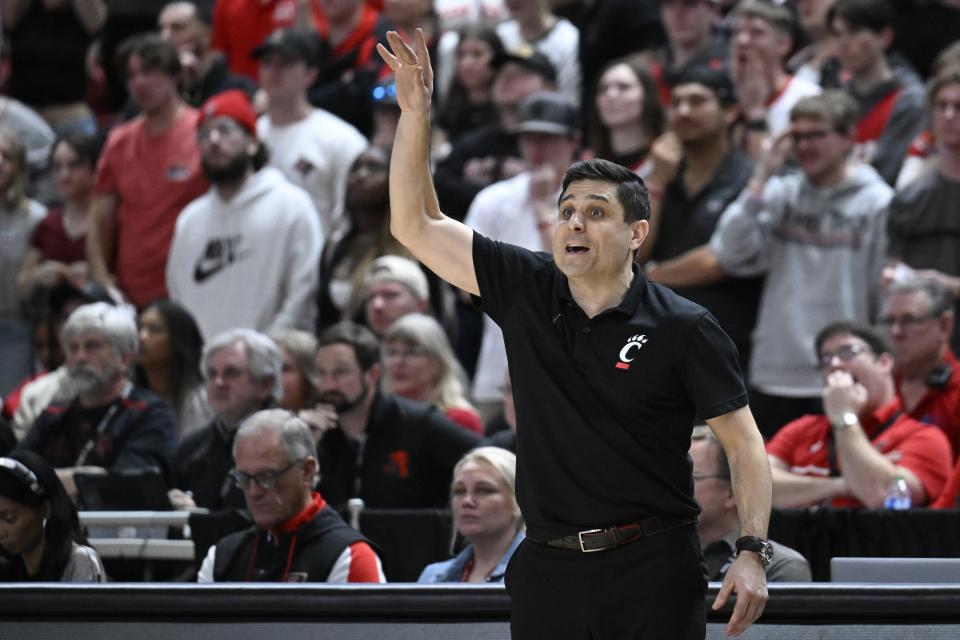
[{"x": 250, "y": 262}]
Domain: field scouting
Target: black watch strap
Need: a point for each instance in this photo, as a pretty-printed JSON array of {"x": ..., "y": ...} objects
[{"x": 761, "y": 547}]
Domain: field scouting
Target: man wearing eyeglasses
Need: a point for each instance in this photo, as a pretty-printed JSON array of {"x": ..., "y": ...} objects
[
  {"x": 848, "y": 456},
  {"x": 719, "y": 521},
  {"x": 253, "y": 239},
  {"x": 919, "y": 314},
  {"x": 296, "y": 536}
]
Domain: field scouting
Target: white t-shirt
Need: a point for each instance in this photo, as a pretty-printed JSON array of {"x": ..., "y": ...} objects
[{"x": 561, "y": 45}]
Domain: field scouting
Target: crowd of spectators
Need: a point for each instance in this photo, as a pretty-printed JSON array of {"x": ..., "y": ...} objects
[{"x": 198, "y": 281}]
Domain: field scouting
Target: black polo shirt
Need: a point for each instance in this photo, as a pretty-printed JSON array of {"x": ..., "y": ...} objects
[{"x": 605, "y": 406}]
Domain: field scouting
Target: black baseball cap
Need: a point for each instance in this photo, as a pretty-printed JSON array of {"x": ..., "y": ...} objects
[
  {"x": 292, "y": 44},
  {"x": 529, "y": 58},
  {"x": 547, "y": 112}
]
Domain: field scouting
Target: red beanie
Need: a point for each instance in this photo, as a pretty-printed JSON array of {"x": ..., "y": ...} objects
[{"x": 232, "y": 104}]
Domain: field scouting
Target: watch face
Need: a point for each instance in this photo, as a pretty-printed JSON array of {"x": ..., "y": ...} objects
[{"x": 766, "y": 554}]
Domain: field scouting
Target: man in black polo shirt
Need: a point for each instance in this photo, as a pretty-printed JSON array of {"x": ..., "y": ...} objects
[{"x": 609, "y": 372}]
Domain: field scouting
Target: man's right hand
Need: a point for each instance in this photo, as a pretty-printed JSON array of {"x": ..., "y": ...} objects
[
  {"x": 412, "y": 70},
  {"x": 320, "y": 419},
  {"x": 181, "y": 501},
  {"x": 666, "y": 152}
]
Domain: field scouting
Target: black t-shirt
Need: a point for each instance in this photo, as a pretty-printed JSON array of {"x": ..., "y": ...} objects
[
  {"x": 605, "y": 406},
  {"x": 687, "y": 222}
]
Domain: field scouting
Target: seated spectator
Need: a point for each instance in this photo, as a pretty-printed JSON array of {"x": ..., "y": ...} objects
[
  {"x": 19, "y": 216},
  {"x": 628, "y": 116},
  {"x": 762, "y": 38},
  {"x": 532, "y": 24},
  {"x": 467, "y": 103},
  {"x": 168, "y": 363},
  {"x": 41, "y": 533},
  {"x": 296, "y": 536},
  {"x": 921, "y": 225},
  {"x": 491, "y": 154},
  {"x": 388, "y": 451},
  {"x": 691, "y": 41},
  {"x": 48, "y": 43},
  {"x": 243, "y": 373},
  {"x": 313, "y": 148},
  {"x": 719, "y": 523},
  {"x": 188, "y": 26},
  {"x": 890, "y": 99},
  {"x": 394, "y": 286},
  {"x": 919, "y": 313},
  {"x": 486, "y": 514},
  {"x": 419, "y": 364},
  {"x": 253, "y": 237},
  {"x": 112, "y": 424},
  {"x": 57, "y": 249},
  {"x": 299, "y": 351},
  {"x": 848, "y": 456}
]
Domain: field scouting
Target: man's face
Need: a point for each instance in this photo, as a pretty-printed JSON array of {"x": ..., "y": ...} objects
[
  {"x": 231, "y": 391},
  {"x": 687, "y": 22},
  {"x": 340, "y": 381},
  {"x": 284, "y": 79},
  {"x": 756, "y": 39},
  {"x": 387, "y": 301},
  {"x": 858, "y": 48},
  {"x": 712, "y": 492},
  {"x": 541, "y": 149},
  {"x": 946, "y": 117},
  {"x": 591, "y": 240},
  {"x": 821, "y": 150},
  {"x": 151, "y": 89},
  {"x": 846, "y": 352},
  {"x": 226, "y": 149},
  {"x": 263, "y": 453},
  {"x": 179, "y": 25},
  {"x": 92, "y": 362},
  {"x": 917, "y": 336},
  {"x": 695, "y": 114},
  {"x": 513, "y": 83}
]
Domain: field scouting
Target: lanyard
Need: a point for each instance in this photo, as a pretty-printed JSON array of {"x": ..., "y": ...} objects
[
  {"x": 832, "y": 446},
  {"x": 102, "y": 426}
]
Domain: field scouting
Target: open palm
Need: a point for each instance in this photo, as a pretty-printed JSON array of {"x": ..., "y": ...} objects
[{"x": 412, "y": 70}]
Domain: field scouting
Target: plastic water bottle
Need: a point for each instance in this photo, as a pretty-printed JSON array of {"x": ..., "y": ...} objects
[{"x": 898, "y": 494}]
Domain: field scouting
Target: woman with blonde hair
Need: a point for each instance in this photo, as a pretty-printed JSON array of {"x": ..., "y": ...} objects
[
  {"x": 486, "y": 514},
  {"x": 419, "y": 364},
  {"x": 298, "y": 349}
]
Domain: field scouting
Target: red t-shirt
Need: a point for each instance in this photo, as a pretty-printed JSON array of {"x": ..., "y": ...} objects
[
  {"x": 802, "y": 445},
  {"x": 153, "y": 177},
  {"x": 941, "y": 405},
  {"x": 50, "y": 238},
  {"x": 466, "y": 418},
  {"x": 948, "y": 499},
  {"x": 239, "y": 26}
]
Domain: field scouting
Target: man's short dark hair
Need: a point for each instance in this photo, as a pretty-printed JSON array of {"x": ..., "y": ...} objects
[
  {"x": 631, "y": 191},
  {"x": 775, "y": 15},
  {"x": 364, "y": 343},
  {"x": 875, "y": 15},
  {"x": 155, "y": 53},
  {"x": 876, "y": 343}
]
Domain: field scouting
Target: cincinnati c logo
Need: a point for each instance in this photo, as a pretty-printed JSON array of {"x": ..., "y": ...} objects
[{"x": 625, "y": 354}]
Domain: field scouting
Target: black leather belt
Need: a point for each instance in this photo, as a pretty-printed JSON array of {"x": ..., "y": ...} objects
[{"x": 592, "y": 540}]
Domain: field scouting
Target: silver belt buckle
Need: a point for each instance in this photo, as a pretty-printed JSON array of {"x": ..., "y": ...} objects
[{"x": 580, "y": 538}]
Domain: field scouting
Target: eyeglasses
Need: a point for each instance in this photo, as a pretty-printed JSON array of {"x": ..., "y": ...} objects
[
  {"x": 724, "y": 476},
  {"x": 846, "y": 353},
  {"x": 906, "y": 320},
  {"x": 223, "y": 129},
  {"x": 266, "y": 479}
]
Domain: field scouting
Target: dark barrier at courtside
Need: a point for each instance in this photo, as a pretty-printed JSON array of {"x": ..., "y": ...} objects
[{"x": 267, "y": 612}]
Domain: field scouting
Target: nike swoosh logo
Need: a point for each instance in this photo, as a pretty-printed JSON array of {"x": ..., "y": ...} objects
[{"x": 206, "y": 269}]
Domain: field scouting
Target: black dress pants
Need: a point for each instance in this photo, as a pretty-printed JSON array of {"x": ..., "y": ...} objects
[{"x": 652, "y": 589}]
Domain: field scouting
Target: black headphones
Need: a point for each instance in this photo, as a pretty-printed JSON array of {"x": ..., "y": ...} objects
[{"x": 24, "y": 474}]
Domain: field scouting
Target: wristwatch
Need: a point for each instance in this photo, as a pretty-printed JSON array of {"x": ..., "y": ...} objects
[
  {"x": 844, "y": 421},
  {"x": 761, "y": 547}
]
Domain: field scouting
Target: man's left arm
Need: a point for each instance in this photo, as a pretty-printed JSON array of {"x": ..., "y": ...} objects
[
  {"x": 753, "y": 489},
  {"x": 696, "y": 268}
]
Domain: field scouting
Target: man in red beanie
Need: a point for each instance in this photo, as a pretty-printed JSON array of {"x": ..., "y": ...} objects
[{"x": 253, "y": 239}]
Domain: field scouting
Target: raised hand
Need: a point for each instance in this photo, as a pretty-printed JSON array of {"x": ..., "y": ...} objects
[{"x": 412, "y": 70}]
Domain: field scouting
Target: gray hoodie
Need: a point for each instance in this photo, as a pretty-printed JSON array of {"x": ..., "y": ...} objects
[{"x": 822, "y": 251}]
